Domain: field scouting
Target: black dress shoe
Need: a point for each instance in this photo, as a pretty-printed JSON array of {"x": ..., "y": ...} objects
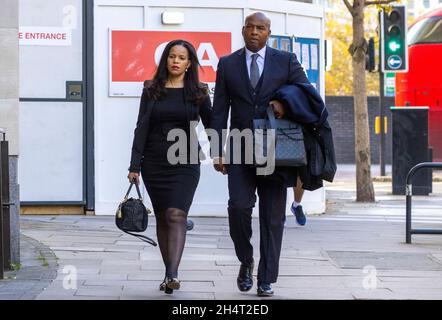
[
  {"x": 245, "y": 278},
  {"x": 265, "y": 290}
]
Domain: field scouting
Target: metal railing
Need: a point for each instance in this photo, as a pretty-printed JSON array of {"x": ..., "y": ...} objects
[
  {"x": 409, "y": 193},
  {"x": 5, "y": 223}
]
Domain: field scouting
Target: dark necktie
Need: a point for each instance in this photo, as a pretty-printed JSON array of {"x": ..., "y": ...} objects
[{"x": 254, "y": 71}]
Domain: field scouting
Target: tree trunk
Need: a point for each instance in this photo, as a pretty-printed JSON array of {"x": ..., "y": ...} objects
[{"x": 364, "y": 184}]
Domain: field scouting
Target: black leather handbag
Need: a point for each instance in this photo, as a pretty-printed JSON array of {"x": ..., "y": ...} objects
[
  {"x": 132, "y": 216},
  {"x": 288, "y": 143}
]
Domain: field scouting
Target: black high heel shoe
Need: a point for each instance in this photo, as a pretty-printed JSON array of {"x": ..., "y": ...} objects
[
  {"x": 173, "y": 283},
  {"x": 163, "y": 287},
  {"x": 167, "y": 290}
]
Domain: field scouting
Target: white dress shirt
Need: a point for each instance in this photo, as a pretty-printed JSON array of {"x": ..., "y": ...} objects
[{"x": 259, "y": 60}]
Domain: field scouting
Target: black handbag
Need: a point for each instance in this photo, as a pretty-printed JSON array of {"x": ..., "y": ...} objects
[
  {"x": 288, "y": 143},
  {"x": 132, "y": 216}
]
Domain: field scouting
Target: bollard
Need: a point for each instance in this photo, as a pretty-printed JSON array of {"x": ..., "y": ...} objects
[
  {"x": 1, "y": 216},
  {"x": 4, "y": 154},
  {"x": 5, "y": 223}
]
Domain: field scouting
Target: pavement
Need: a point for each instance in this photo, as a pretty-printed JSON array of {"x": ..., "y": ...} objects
[{"x": 353, "y": 251}]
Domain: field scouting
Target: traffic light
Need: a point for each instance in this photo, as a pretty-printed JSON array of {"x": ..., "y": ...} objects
[{"x": 394, "y": 50}]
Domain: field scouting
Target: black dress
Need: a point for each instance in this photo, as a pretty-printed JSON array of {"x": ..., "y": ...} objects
[{"x": 169, "y": 185}]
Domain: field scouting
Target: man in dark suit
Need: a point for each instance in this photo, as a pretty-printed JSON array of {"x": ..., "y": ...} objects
[{"x": 245, "y": 84}]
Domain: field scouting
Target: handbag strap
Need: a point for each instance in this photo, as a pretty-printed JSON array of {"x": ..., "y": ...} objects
[
  {"x": 272, "y": 119},
  {"x": 142, "y": 238},
  {"x": 271, "y": 116},
  {"x": 130, "y": 187},
  {"x": 285, "y": 134}
]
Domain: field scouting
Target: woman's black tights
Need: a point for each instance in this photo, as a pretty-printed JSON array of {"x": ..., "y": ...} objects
[{"x": 171, "y": 233}]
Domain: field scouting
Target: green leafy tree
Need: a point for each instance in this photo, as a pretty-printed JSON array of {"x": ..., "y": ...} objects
[{"x": 339, "y": 79}]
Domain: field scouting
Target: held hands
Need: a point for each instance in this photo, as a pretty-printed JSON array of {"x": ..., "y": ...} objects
[
  {"x": 134, "y": 177},
  {"x": 278, "y": 108},
  {"x": 218, "y": 164}
]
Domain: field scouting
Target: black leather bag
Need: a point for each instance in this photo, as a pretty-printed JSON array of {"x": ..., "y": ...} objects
[
  {"x": 289, "y": 141},
  {"x": 132, "y": 216}
]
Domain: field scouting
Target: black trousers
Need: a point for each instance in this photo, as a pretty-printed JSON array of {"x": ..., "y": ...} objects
[{"x": 243, "y": 183}]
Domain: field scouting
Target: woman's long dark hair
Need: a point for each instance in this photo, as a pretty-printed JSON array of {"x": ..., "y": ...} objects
[{"x": 194, "y": 91}]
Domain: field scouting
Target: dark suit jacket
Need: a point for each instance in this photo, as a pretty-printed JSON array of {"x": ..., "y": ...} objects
[
  {"x": 194, "y": 113},
  {"x": 234, "y": 92}
]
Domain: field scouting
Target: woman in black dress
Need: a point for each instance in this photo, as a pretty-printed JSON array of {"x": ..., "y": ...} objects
[{"x": 171, "y": 100}]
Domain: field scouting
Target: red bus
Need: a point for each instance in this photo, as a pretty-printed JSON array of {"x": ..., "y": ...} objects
[{"x": 422, "y": 84}]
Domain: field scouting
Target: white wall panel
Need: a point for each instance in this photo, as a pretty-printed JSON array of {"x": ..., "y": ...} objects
[
  {"x": 51, "y": 146},
  {"x": 114, "y": 117}
]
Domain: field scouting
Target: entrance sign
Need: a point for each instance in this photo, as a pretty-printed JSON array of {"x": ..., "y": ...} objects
[{"x": 44, "y": 36}]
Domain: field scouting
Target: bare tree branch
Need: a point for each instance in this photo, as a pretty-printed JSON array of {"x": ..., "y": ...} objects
[
  {"x": 349, "y": 7},
  {"x": 368, "y": 3}
]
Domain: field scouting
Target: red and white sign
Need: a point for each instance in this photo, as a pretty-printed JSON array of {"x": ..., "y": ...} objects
[
  {"x": 135, "y": 55},
  {"x": 44, "y": 36}
]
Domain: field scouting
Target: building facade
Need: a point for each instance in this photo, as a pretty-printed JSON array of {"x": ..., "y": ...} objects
[{"x": 79, "y": 97}]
